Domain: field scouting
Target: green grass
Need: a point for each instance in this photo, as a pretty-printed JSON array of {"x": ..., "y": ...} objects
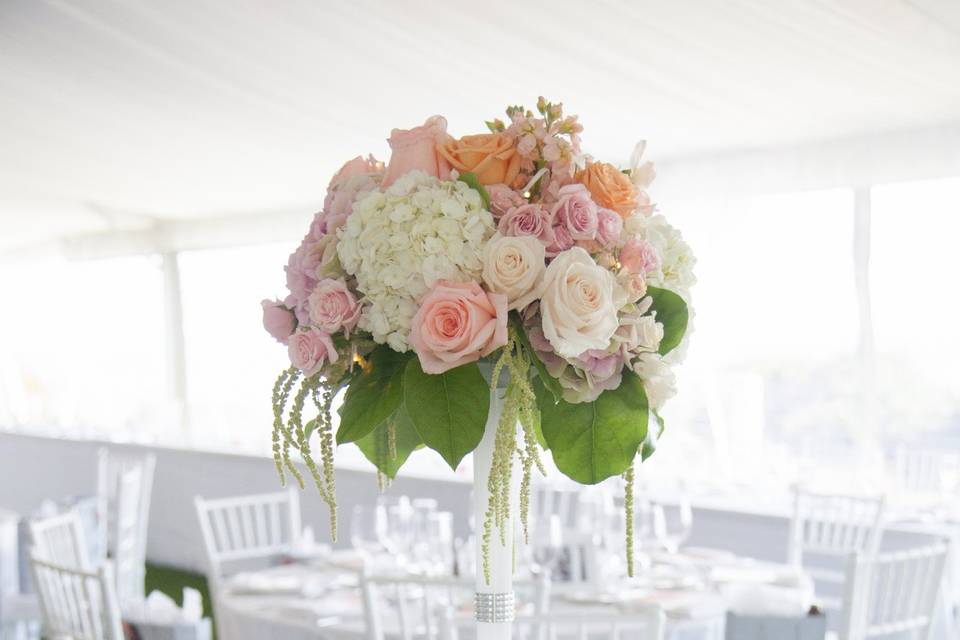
[{"x": 172, "y": 581}]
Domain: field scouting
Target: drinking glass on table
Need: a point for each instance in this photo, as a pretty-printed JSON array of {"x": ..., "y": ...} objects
[
  {"x": 547, "y": 542},
  {"x": 367, "y": 525},
  {"x": 673, "y": 523}
]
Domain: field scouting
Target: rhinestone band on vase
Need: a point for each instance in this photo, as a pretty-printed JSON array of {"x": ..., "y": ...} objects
[{"x": 494, "y": 607}]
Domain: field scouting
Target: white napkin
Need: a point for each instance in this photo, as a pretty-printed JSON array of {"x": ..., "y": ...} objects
[
  {"x": 274, "y": 583},
  {"x": 159, "y": 608},
  {"x": 767, "y": 600}
]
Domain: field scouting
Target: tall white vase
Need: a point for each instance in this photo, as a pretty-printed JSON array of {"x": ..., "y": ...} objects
[{"x": 494, "y": 603}]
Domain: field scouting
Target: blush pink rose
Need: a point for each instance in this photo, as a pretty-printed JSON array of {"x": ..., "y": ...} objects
[
  {"x": 333, "y": 307},
  {"x": 639, "y": 256},
  {"x": 502, "y": 199},
  {"x": 562, "y": 240},
  {"x": 301, "y": 272},
  {"x": 577, "y": 211},
  {"x": 417, "y": 149},
  {"x": 309, "y": 350},
  {"x": 458, "y": 323},
  {"x": 278, "y": 320},
  {"x": 528, "y": 220},
  {"x": 609, "y": 227}
]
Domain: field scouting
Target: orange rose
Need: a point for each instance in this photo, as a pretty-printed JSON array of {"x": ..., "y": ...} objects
[
  {"x": 610, "y": 187},
  {"x": 491, "y": 156}
]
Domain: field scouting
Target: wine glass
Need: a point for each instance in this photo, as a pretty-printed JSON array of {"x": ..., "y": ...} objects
[
  {"x": 367, "y": 524},
  {"x": 547, "y": 543},
  {"x": 672, "y": 523}
]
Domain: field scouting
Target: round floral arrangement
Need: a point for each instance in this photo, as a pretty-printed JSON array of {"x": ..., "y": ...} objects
[{"x": 510, "y": 249}]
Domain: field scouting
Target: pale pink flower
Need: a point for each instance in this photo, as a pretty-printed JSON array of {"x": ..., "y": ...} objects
[
  {"x": 577, "y": 211},
  {"x": 357, "y": 176},
  {"x": 458, "y": 323},
  {"x": 310, "y": 349},
  {"x": 278, "y": 320},
  {"x": 333, "y": 307},
  {"x": 561, "y": 241},
  {"x": 609, "y": 227},
  {"x": 417, "y": 149},
  {"x": 639, "y": 256},
  {"x": 502, "y": 199},
  {"x": 528, "y": 220}
]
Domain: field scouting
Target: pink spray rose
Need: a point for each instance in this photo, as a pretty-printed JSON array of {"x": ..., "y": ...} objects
[
  {"x": 639, "y": 256},
  {"x": 562, "y": 241},
  {"x": 576, "y": 210},
  {"x": 333, "y": 307},
  {"x": 301, "y": 272},
  {"x": 417, "y": 149},
  {"x": 355, "y": 177},
  {"x": 309, "y": 350},
  {"x": 528, "y": 220},
  {"x": 278, "y": 320},
  {"x": 502, "y": 199},
  {"x": 458, "y": 323},
  {"x": 609, "y": 227}
]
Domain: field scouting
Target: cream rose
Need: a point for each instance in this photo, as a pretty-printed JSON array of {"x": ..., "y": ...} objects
[
  {"x": 577, "y": 305},
  {"x": 514, "y": 266}
]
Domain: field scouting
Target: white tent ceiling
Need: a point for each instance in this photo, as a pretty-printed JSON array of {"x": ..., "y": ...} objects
[{"x": 111, "y": 111}]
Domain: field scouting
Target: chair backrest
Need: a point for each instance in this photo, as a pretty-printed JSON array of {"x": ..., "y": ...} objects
[
  {"x": 76, "y": 604},
  {"x": 833, "y": 526},
  {"x": 59, "y": 539},
  {"x": 893, "y": 593},
  {"x": 110, "y": 467},
  {"x": 417, "y": 605},
  {"x": 592, "y": 625},
  {"x": 923, "y": 473},
  {"x": 130, "y": 536},
  {"x": 248, "y": 527}
]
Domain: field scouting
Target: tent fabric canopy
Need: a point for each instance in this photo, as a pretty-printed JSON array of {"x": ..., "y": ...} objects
[{"x": 116, "y": 115}]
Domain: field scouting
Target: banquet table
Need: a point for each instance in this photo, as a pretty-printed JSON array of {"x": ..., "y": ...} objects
[{"x": 327, "y": 605}]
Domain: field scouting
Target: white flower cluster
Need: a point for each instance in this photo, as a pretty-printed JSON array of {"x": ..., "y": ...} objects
[
  {"x": 676, "y": 257},
  {"x": 400, "y": 242}
]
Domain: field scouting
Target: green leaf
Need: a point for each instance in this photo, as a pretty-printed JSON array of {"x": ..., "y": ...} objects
[
  {"x": 376, "y": 446},
  {"x": 474, "y": 183},
  {"x": 672, "y": 313},
  {"x": 550, "y": 383},
  {"x": 592, "y": 441},
  {"x": 649, "y": 446},
  {"x": 373, "y": 396},
  {"x": 448, "y": 410}
]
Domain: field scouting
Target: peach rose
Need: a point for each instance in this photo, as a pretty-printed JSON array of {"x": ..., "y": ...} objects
[
  {"x": 418, "y": 149},
  {"x": 610, "y": 188},
  {"x": 491, "y": 156},
  {"x": 458, "y": 323}
]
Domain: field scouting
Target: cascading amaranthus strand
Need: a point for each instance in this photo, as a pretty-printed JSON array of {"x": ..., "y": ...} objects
[
  {"x": 291, "y": 433},
  {"x": 519, "y": 405},
  {"x": 628, "y": 515}
]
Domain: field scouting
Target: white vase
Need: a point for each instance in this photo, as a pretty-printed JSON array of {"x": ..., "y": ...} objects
[{"x": 494, "y": 601}]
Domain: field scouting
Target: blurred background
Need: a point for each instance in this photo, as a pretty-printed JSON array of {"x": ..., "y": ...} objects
[{"x": 159, "y": 161}]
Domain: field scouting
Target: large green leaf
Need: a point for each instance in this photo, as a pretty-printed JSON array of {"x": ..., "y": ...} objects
[
  {"x": 673, "y": 314},
  {"x": 376, "y": 444},
  {"x": 550, "y": 383},
  {"x": 591, "y": 441},
  {"x": 473, "y": 182},
  {"x": 448, "y": 410},
  {"x": 373, "y": 396},
  {"x": 649, "y": 446}
]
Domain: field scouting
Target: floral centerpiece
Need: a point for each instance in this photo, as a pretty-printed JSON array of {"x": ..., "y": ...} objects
[{"x": 511, "y": 249}]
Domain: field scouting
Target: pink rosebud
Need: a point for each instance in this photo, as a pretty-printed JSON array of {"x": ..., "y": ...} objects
[
  {"x": 528, "y": 220},
  {"x": 609, "y": 227},
  {"x": 333, "y": 307},
  {"x": 417, "y": 149},
  {"x": 639, "y": 256},
  {"x": 561, "y": 241},
  {"x": 309, "y": 350},
  {"x": 577, "y": 211},
  {"x": 278, "y": 320},
  {"x": 502, "y": 199},
  {"x": 458, "y": 323}
]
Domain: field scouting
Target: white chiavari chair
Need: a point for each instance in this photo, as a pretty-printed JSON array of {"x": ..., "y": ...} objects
[
  {"x": 893, "y": 593},
  {"x": 828, "y": 528},
  {"x": 594, "y": 625},
  {"x": 129, "y": 539},
  {"x": 413, "y": 607},
  {"x": 76, "y": 604},
  {"x": 261, "y": 527},
  {"x": 110, "y": 467},
  {"x": 60, "y": 539}
]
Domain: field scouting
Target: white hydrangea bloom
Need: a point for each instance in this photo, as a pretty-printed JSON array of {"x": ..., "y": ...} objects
[
  {"x": 659, "y": 380},
  {"x": 400, "y": 242},
  {"x": 676, "y": 257}
]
